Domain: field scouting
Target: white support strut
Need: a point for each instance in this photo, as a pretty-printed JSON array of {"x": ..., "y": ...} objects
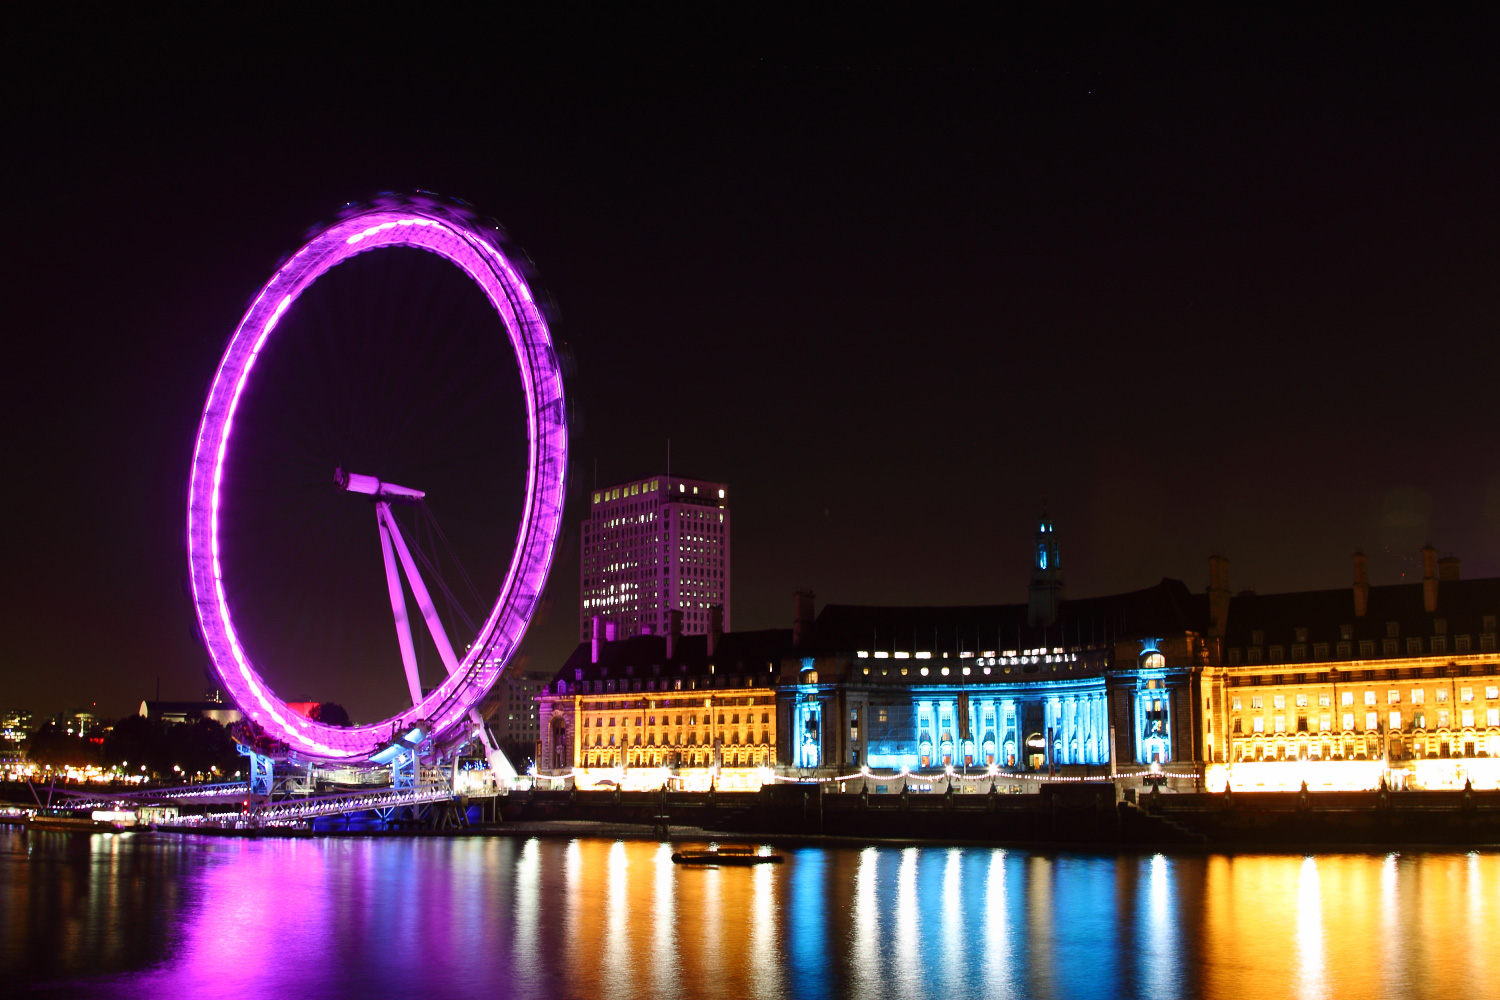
[
  {"x": 419, "y": 591},
  {"x": 398, "y": 601},
  {"x": 393, "y": 547}
]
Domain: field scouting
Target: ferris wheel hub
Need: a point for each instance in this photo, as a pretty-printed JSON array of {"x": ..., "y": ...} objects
[{"x": 356, "y": 483}]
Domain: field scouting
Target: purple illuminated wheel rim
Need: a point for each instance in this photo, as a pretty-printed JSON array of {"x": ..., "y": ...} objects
[{"x": 476, "y": 250}]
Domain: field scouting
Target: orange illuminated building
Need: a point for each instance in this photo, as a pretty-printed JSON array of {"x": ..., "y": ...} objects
[
  {"x": 1347, "y": 688},
  {"x": 681, "y": 711}
]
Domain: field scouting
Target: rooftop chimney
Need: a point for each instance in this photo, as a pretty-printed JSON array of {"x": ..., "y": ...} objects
[
  {"x": 597, "y": 627},
  {"x": 1361, "y": 584},
  {"x": 1218, "y": 596},
  {"x": 1429, "y": 578},
  {"x": 715, "y": 627},
  {"x": 802, "y": 615},
  {"x": 1448, "y": 568},
  {"x": 674, "y": 632}
]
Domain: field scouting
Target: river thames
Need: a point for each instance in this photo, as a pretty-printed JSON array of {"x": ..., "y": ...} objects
[{"x": 157, "y": 915}]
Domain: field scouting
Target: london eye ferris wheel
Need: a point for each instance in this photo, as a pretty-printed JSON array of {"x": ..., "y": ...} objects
[{"x": 447, "y": 710}]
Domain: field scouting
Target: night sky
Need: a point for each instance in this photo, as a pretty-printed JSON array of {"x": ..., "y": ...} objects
[{"x": 1208, "y": 285}]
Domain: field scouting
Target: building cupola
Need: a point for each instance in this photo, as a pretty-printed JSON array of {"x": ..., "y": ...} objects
[{"x": 1047, "y": 590}]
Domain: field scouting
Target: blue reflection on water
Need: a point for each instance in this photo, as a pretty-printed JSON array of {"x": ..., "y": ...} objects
[
  {"x": 598, "y": 919},
  {"x": 807, "y": 920}
]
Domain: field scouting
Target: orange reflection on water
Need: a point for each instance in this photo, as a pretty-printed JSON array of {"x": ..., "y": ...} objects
[
  {"x": 1351, "y": 925},
  {"x": 603, "y": 919}
]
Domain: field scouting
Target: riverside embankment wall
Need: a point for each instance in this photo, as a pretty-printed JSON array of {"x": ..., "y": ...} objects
[{"x": 1078, "y": 813}]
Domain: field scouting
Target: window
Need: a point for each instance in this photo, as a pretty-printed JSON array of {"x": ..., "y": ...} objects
[
  {"x": 1465, "y": 694},
  {"x": 1487, "y": 642},
  {"x": 1257, "y": 637},
  {"x": 1488, "y": 623},
  {"x": 1460, "y": 644},
  {"x": 1418, "y": 696},
  {"x": 1372, "y": 720},
  {"x": 1344, "y": 651},
  {"x": 1494, "y": 717},
  {"x": 1281, "y": 723},
  {"x": 1252, "y": 654},
  {"x": 1320, "y": 650},
  {"x": 1393, "y": 697},
  {"x": 1260, "y": 723},
  {"x": 1278, "y": 653},
  {"x": 1443, "y": 719},
  {"x": 1326, "y": 722},
  {"x": 1325, "y": 699},
  {"x": 1390, "y": 647},
  {"x": 1366, "y": 648},
  {"x": 1468, "y": 718},
  {"x": 1347, "y": 698},
  {"x": 1238, "y": 729},
  {"x": 1492, "y": 691},
  {"x": 1395, "y": 721},
  {"x": 1302, "y": 701},
  {"x": 1369, "y": 697},
  {"x": 1257, "y": 701},
  {"x": 1348, "y": 721},
  {"x": 1392, "y": 630},
  {"x": 1234, "y": 656},
  {"x": 1439, "y": 644},
  {"x": 1414, "y": 646},
  {"x": 1301, "y": 723},
  {"x": 1442, "y": 694},
  {"x": 1235, "y": 703},
  {"x": 1278, "y": 701}
]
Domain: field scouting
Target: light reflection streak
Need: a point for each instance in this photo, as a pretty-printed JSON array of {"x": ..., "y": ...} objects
[
  {"x": 765, "y": 964},
  {"x": 1311, "y": 975},
  {"x": 1157, "y": 935},
  {"x": 664, "y": 972},
  {"x": 998, "y": 973},
  {"x": 907, "y": 961},
  {"x": 616, "y": 964},
  {"x": 1040, "y": 917},
  {"x": 528, "y": 890},
  {"x": 868, "y": 980},
  {"x": 955, "y": 941}
]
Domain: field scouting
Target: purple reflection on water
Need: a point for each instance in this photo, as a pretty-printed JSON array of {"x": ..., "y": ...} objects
[{"x": 146, "y": 915}]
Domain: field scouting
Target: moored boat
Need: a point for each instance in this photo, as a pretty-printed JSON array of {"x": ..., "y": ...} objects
[{"x": 721, "y": 857}]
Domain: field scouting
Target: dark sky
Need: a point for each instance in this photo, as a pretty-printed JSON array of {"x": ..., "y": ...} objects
[{"x": 1227, "y": 284}]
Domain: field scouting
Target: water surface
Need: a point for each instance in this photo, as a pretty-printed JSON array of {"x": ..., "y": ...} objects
[{"x": 156, "y": 915}]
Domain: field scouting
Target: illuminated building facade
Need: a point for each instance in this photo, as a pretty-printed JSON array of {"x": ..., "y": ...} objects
[
  {"x": 1347, "y": 688},
  {"x": 653, "y": 546},
  {"x": 674, "y": 710},
  {"x": 1050, "y": 685}
]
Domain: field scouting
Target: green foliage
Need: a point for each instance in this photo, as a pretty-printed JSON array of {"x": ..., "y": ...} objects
[
  {"x": 196, "y": 745},
  {"x": 52, "y": 745}
]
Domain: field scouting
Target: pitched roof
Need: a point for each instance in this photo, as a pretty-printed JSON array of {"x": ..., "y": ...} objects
[
  {"x": 736, "y": 654},
  {"x": 1166, "y": 609},
  {"x": 1461, "y": 604}
]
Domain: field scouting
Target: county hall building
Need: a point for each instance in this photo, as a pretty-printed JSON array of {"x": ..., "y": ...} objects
[{"x": 1344, "y": 688}]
